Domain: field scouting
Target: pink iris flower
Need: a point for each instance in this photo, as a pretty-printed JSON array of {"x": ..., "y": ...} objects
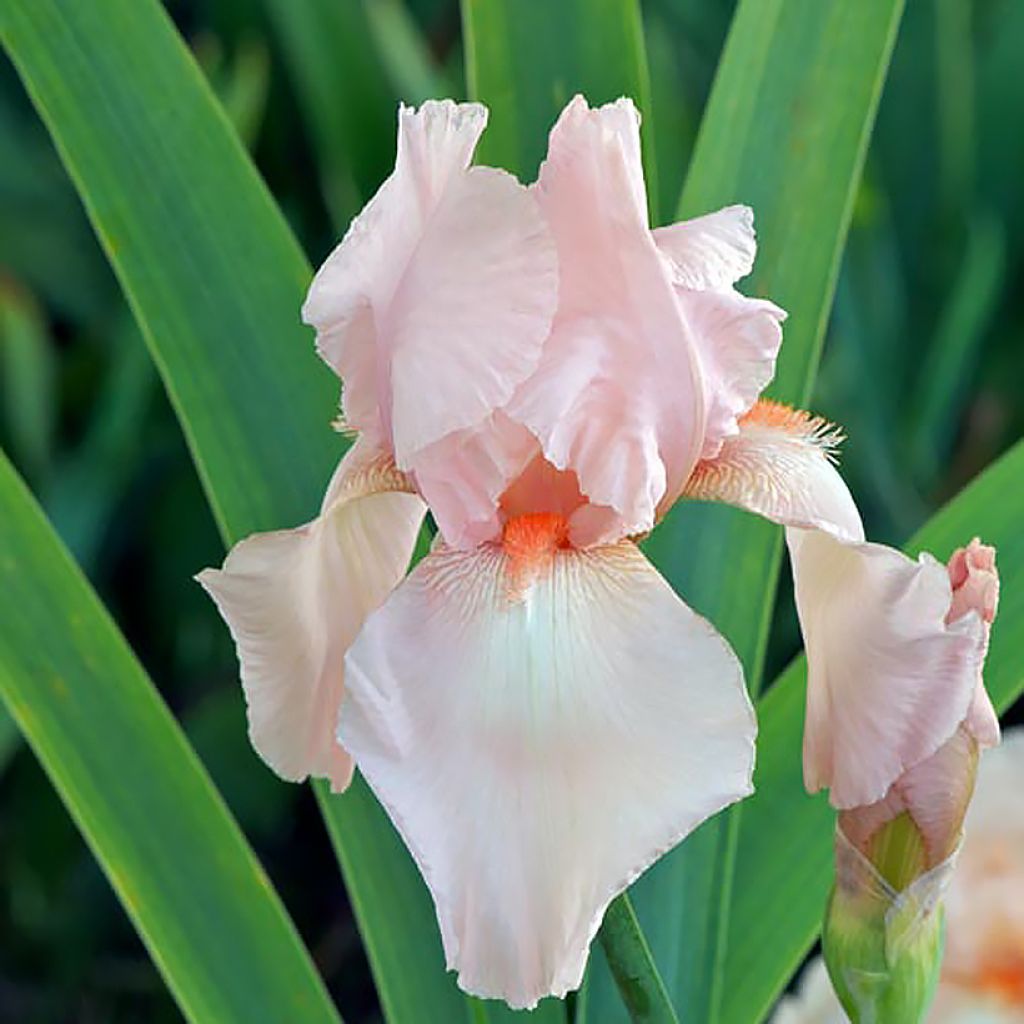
[{"x": 538, "y": 711}]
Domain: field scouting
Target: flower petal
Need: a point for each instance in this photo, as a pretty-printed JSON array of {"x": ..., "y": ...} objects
[
  {"x": 780, "y": 466},
  {"x": 737, "y": 341},
  {"x": 710, "y": 252},
  {"x": 294, "y": 601},
  {"x": 935, "y": 792},
  {"x": 449, "y": 276},
  {"x": 540, "y": 734},
  {"x": 888, "y": 680},
  {"x": 618, "y": 397}
]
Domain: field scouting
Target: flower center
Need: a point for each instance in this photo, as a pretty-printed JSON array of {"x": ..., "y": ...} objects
[{"x": 529, "y": 542}]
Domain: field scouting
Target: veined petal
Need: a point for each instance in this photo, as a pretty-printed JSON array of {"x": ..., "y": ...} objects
[
  {"x": 935, "y": 793},
  {"x": 617, "y": 397},
  {"x": 294, "y": 601},
  {"x": 541, "y": 726},
  {"x": 737, "y": 340},
  {"x": 449, "y": 276},
  {"x": 463, "y": 476},
  {"x": 710, "y": 252},
  {"x": 780, "y": 466},
  {"x": 889, "y": 681}
]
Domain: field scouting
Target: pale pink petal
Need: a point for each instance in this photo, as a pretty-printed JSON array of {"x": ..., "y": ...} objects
[
  {"x": 737, "y": 341},
  {"x": 888, "y": 680},
  {"x": 540, "y": 731},
  {"x": 294, "y": 601},
  {"x": 436, "y": 304},
  {"x": 737, "y": 338},
  {"x": 618, "y": 397},
  {"x": 710, "y": 252},
  {"x": 780, "y": 466},
  {"x": 975, "y": 582},
  {"x": 463, "y": 476},
  {"x": 935, "y": 793}
]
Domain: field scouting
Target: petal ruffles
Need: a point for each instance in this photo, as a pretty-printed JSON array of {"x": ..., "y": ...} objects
[
  {"x": 448, "y": 275},
  {"x": 295, "y": 599},
  {"x": 540, "y": 732},
  {"x": 889, "y": 680}
]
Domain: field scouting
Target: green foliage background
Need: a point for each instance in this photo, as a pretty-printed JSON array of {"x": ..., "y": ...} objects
[{"x": 923, "y": 364}]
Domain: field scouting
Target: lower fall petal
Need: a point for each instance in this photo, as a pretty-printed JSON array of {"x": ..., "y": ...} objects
[
  {"x": 889, "y": 681},
  {"x": 780, "y": 466},
  {"x": 294, "y": 601},
  {"x": 541, "y": 725}
]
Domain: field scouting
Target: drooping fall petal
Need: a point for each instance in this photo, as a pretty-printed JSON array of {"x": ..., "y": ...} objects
[
  {"x": 449, "y": 276},
  {"x": 888, "y": 680},
  {"x": 541, "y": 724},
  {"x": 294, "y": 600},
  {"x": 780, "y": 466},
  {"x": 617, "y": 398}
]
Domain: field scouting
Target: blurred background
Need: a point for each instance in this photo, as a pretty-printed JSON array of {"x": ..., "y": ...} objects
[{"x": 924, "y": 367}]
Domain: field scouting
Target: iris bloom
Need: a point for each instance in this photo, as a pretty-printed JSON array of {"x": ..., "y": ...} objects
[
  {"x": 982, "y": 980},
  {"x": 537, "y": 710}
]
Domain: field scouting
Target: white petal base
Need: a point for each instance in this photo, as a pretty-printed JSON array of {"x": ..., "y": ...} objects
[{"x": 540, "y": 731}]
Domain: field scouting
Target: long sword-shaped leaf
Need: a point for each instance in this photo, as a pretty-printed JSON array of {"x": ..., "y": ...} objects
[
  {"x": 784, "y": 866},
  {"x": 785, "y": 131},
  {"x": 169, "y": 846},
  {"x": 216, "y": 280}
]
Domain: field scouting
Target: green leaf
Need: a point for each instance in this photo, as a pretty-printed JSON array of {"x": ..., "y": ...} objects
[
  {"x": 171, "y": 850},
  {"x": 344, "y": 96},
  {"x": 784, "y": 864},
  {"x": 941, "y": 385},
  {"x": 632, "y": 965},
  {"x": 27, "y": 380},
  {"x": 216, "y": 281},
  {"x": 527, "y": 58},
  {"x": 785, "y": 131},
  {"x": 404, "y": 52}
]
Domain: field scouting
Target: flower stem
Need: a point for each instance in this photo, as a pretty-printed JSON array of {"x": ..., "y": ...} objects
[{"x": 633, "y": 967}]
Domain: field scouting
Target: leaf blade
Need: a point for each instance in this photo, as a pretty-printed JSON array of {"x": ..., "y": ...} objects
[
  {"x": 169, "y": 847},
  {"x": 215, "y": 280}
]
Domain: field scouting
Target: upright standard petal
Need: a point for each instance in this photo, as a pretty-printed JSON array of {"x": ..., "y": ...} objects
[
  {"x": 617, "y": 398},
  {"x": 294, "y": 601},
  {"x": 541, "y": 724},
  {"x": 737, "y": 338},
  {"x": 710, "y": 252},
  {"x": 449, "y": 276}
]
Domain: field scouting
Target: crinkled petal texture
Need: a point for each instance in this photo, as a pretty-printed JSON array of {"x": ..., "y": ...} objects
[
  {"x": 888, "y": 681},
  {"x": 780, "y": 466},
  {"x": 540, "y": 734},
  {"x": 448, "y": 276},
  {"x": 618, "y": 396},
  {"x": 736, "y": 338},
  {"x": 294, "y": 600}
]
